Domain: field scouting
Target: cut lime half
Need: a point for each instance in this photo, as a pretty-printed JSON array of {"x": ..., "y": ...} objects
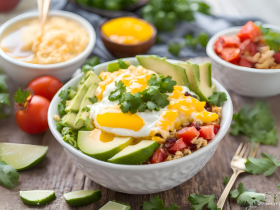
[
  {"x": 37, "y": 197},
  {"x": 22, "y": 156},
  {"x": 112, "y": 205},
  {"x": 82, "y": 197}
]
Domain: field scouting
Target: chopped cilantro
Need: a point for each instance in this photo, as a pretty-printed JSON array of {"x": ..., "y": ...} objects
[
  {"x": 272, "y": 38},
  {"x": 3, "y": 85},
  {"x": 4, "y": 98},
  {"x": 114, "y": 95},
  {"x": 85, "y": 109},
  {"x": 89, "y": 64},
  {"x": 93, "y": 99},
  {"x": 61, "y": 108},
  {"x": 157, "y": 204},
  {"x": 226, "y": 180},
  {"x": 122, "y": 64},
  {"x": 21, "y": 96},
  {"x": 198, "y": 202},
  {"x": 8, "y": 175},
  {"x": 255, "y": 122},
  {"x": 174, "y": 48},
  {"x": 218, "y": 98},
  {"x": 65, "y": 95},
  {"x": 246, "y": 197},
  {"x": 267, "y": 165},
  {"x": 86, "y": 68}
]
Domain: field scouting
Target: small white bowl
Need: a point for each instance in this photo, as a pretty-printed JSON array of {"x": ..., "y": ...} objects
[
  {"x": 23, "y": 73},
  {"x": 242, "y": 80},
  {"x": 140, "y": 179}
]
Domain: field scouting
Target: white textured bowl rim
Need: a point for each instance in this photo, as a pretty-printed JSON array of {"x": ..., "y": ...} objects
[
  {"x": 222, "y": 132},
  {"x": 82, "y": 21},
  {"x": 230, "y": 31}
]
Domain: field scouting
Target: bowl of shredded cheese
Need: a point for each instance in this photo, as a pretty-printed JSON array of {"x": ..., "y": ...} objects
[
  {"x": 127, "y": 36},
  {"x": 28, "y": 50}
]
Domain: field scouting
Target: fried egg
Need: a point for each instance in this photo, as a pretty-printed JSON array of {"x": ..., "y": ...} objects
[{"x": 108, "y": 116}]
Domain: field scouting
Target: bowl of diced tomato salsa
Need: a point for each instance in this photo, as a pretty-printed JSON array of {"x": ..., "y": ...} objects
[{"x": 248, "y": 58}]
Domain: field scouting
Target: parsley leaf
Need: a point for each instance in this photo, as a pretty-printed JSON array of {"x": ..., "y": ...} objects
[
  {"x": 61, "y": 108},
  {"x": 267, "y": 165},
  {"x": 218, "y": 98},
  {"x": 21, "y": 96},
  {"x": 226, "y": 180},
  {"x": 245, "y": 196},
  {"x": 157, "y": 204},
  {"x": 8, "y": 175},
  {"x": 122, "y": 64},
  {"x": 152, "y": 106},
  {"x": 198, "y": 202},
  {"x": 5, "y": 98},
  {"x": 255, "y": 122},
  {"x": 3, "y": 85},
  {"x": 114, "y": 95},
  {"x": 63, "y": 94}
]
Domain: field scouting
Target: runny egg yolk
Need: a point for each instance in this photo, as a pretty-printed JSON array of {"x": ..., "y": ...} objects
[
  {"x": 113, "y": 117},
  {"x": 101, "y": 135}
]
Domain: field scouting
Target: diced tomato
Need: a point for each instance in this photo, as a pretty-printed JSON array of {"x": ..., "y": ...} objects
[
  {"x": 245, "y": 62},
  {"x": 216, "y": 128},
  {"x": 188, "y": 134},
  {"x": 231, "y": 54},
  {"x": 178, "y": 146},
  {"x": 207, "y": 132},
  {"x": 249, "y": 31},
  {"x": 196, "y": 125},
  {"x": 248, "y": 46},
  {"x": 277, "y": 57},
  {"x": 226, "y": 41},
  {"x": 159, "y": 156}
]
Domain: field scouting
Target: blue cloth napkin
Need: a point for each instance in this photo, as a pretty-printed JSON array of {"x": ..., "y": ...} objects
[{"x": 202, "y": 23}]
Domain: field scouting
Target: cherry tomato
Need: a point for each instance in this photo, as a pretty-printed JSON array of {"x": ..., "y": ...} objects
[
  {"x": 45, "y": 86},
  {"x": 277, "y": 57},
  {"x": 230, "y": 54},
  {"x": 33, "y": 119},
  {"x": 218, "y": 46},
  {"x": 249, "y": 47},
  {"x": 159, "y": 156},
  {"x": 188, "y": 134},
  {"x": 249, "y": 31},
  {"x": 245, "y": 62},
  {"x": 226, "y": 41}
]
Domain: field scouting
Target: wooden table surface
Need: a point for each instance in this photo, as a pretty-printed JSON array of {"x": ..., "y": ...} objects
[{"x": 57, "y": 173}]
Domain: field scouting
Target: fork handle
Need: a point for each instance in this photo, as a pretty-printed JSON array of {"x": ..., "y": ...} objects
[{"x": 223, "y": 197}]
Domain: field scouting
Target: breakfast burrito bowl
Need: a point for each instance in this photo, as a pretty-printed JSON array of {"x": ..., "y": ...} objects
[{"x": 137, "y": 139}]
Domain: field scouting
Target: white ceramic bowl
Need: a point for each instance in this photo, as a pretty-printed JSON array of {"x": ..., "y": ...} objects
[
  {"x": 23, "y": 73},
  {"x": 242, "y": 80},
  {"x": 140, "y": 179}
]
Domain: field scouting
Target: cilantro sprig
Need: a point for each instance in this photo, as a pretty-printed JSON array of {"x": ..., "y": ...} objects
[
  {"x": 8, "y": 175},
  {"x": 4, "y": 97},
  {"x": 152, "y": 98},
  {"x": 271, "y": 38},
  {"x": 218, "y": 98},
  {"x": 267, "y": 165},
  {"x": 226, "y": 180},
  {"x": 90, "y": 63},
  {"x": 198, "y": 202},
  {"x": 246, "y": 196},
  {"x": 21, "y": 96},
  {"x": 255, "y": 122},
  {"x": 65, "y": 95},
  {"x": 157, "y": 204}
]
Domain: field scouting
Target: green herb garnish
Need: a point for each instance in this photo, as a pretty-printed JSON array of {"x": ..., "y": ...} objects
[
  {"x": 272, "y": 39},
  {"x": 157, "y": 204},
  {"x": 21, "y": 96},
  {"x": 198, "y": 202},
  {"x": 226, "y": 180},
  {"x": 267, "y": 165},
  {"x": 247, "y": 197},
  {"x": 8, "y": 175},
  {"x": 218, "y": 98},
  {"x": 255, "y": 122}
]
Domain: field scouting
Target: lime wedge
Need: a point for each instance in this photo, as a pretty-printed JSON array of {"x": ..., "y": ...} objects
[
  {"x": 82, "y": 197},
  {"x": 37, "y": 197},
  {"x": 112, "y": 205},
  {"x": 22, "y": 156}
]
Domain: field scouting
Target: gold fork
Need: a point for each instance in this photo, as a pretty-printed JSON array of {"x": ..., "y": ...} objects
[{"x": 238, "y": 165}]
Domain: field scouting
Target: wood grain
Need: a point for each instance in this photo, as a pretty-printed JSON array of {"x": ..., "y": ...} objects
[{"x": 56, "y": 172}]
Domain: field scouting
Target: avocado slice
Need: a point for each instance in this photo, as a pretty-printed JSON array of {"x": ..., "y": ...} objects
[
  {"x": 200, "y": 79},
  {"x": 69, "y": 121},
  {"x": 81, "y": 116},
  {"x": 75, "y": 103},
  {"x": 135, "y": 154},
  {"x": 160, "y": 65},
  {"x": 88, "y": 80},
  {"x": 90, "y": 144}
]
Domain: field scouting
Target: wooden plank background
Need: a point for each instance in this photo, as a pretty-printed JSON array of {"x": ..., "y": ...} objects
[{"x": 58, "y": 173}]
